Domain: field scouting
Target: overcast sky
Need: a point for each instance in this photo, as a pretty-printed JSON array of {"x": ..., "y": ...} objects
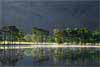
[{"x": 50, "y": 14}]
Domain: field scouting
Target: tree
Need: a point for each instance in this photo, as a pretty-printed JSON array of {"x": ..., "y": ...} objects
[
  {"x": 71, "y": 35},
  {"x": 0, "y": 35},
  {"x": 96, "y": 36},
  {"x": 28, "y": 37},
  {"x": 51, "y": 39},
  {"x": 77, "y": 35},
  {"x": 58, "y": 35},
  {"x": 67, "y": 34},
  {"x": 39, "y": 35},
  {"x": 12, "y": 33},
  {"x": 84, "y": 34}
]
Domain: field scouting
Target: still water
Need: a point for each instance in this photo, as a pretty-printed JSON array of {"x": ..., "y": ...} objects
[{"x": 50, "y": 57}]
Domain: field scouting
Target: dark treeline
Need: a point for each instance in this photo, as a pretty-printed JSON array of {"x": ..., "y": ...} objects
[{"x": 68, "y": 35}]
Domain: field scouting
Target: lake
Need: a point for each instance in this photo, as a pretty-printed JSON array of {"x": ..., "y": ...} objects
[{"x": 50, "y": 57}]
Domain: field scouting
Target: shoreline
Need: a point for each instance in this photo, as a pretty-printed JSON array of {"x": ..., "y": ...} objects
[
  {"x": 45, "y": 46},
  {"x": 23, "y": 45},
  {"x": 46, "y": 43}
]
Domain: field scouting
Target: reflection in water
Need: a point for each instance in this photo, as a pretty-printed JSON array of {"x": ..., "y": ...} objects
[
  {"x": 51, "y": 56},
  {"x": 66, "y": 56},
  {"x": 10, "y": 56}
]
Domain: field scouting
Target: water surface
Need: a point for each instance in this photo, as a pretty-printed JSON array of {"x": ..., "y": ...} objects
[{"x": 50, "y": 57}]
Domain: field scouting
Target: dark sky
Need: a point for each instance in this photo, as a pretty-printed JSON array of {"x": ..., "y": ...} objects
[{"x": 50, "y": 14}]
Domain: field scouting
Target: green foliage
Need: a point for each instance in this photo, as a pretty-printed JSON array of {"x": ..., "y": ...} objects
[
  {"x": 58, "y": 36},
  {"x": 39, "y": 35},
  {"x": 51, "y": 39},
  {"x": 75, "y": 35},
  {"x": 96, "y": 36},
  {"x": 69, "y": 35},
  {"x": 82, "y": 35},
  {"x": 28, "y": 37},
  {"x": 11, "y": 33}
]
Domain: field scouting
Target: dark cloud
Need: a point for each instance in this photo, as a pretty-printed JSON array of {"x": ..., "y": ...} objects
[{"x": 51, "y": 14}]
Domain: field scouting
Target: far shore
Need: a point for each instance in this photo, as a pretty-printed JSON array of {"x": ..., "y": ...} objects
[
  {"x": 46, "y": 43},
  {"x": 23, "y": 45}
]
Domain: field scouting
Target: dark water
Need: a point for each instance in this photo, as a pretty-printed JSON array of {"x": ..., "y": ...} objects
[{"x": 50, "y": 57}]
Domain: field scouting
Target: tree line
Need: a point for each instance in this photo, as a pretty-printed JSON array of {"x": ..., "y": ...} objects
[{"x": 68, "y": 35}]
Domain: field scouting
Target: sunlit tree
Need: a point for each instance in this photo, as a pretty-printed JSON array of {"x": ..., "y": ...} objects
[
  {"x": 58, "y": 35},
  {"x": 39, "y": 35}
]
